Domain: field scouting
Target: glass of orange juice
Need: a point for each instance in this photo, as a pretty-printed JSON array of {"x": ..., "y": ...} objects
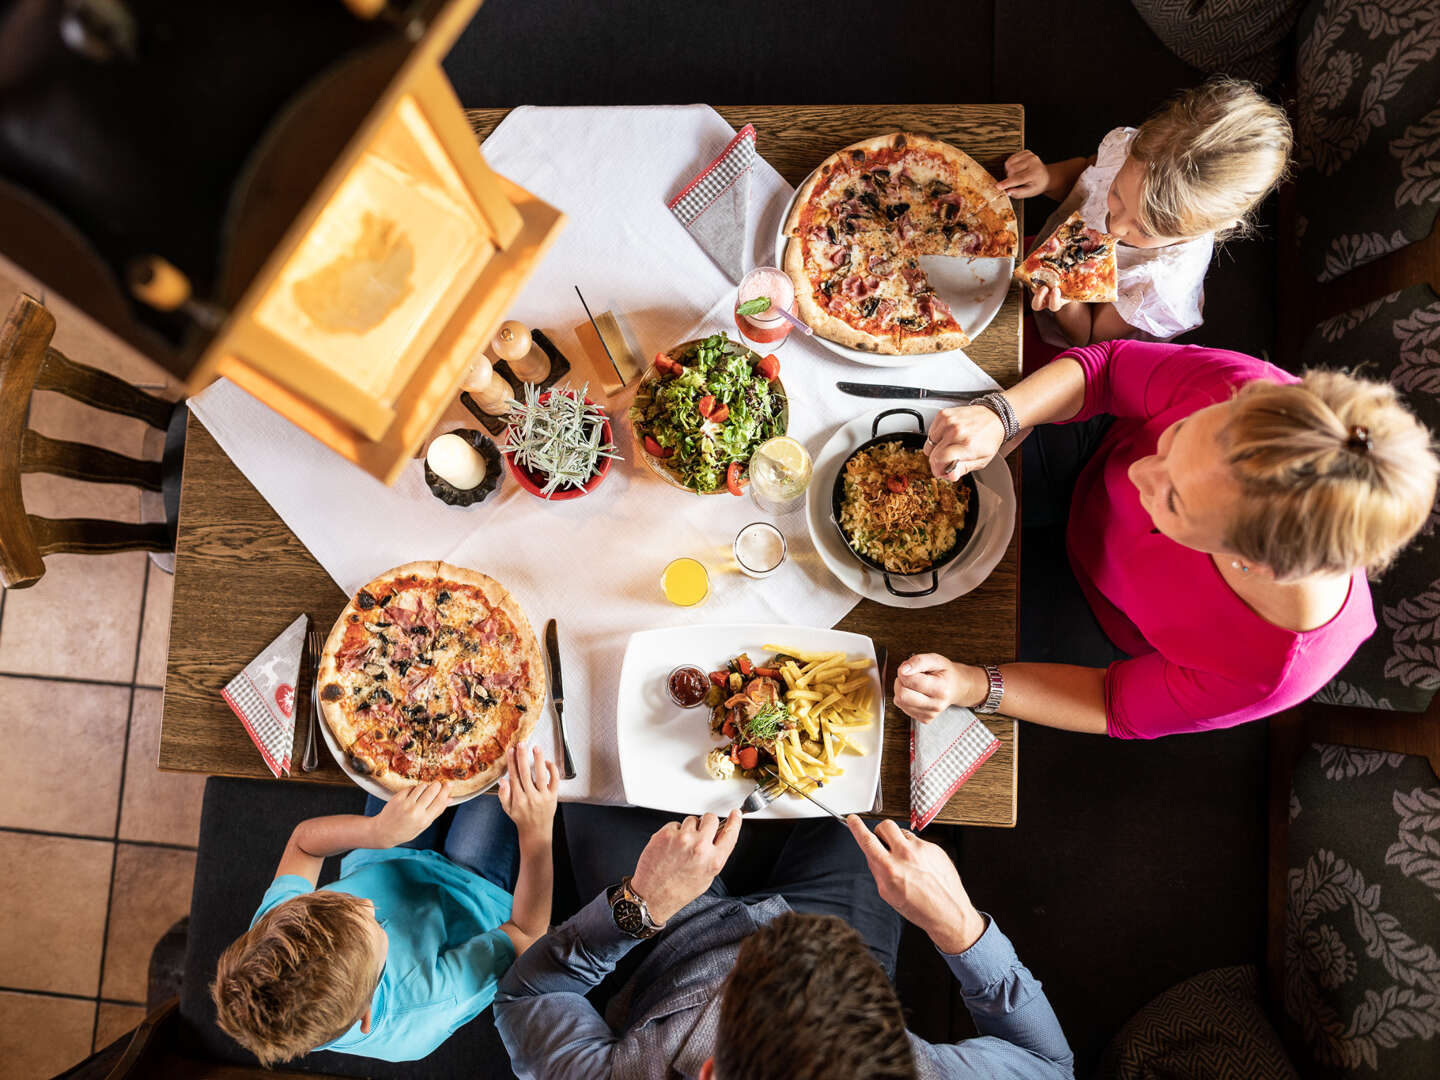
[{"x": 685, "y": 581}]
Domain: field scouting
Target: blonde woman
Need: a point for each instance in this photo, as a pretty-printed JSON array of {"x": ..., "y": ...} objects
[
  {"x": 1221, "y": 531},
  {"x": 1191, "y": 175}
]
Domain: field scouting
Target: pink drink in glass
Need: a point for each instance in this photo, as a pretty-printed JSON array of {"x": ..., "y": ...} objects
[{"x": 769, "y": 326}]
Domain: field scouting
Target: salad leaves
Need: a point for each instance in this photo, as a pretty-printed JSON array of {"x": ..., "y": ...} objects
[{"x": 668, "y": 410}]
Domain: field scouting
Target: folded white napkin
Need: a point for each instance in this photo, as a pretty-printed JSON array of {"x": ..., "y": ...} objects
[
  {"x": 715, "y": 204},
  {"x": 943, "y": 755},
  {"x": 263, "y": 696}
]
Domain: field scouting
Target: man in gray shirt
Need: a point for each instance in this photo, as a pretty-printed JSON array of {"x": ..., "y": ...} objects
[{"x": 769, "y": 984}]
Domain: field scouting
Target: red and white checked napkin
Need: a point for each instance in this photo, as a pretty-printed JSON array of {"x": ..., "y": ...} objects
[
  {"x": 714, "y": 205},
  {"x": 943, "y": 755},
  {"x": 263, "y": 696}
]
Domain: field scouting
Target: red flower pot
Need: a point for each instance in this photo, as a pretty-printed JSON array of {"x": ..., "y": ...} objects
[{"x": 533, "y": 482}]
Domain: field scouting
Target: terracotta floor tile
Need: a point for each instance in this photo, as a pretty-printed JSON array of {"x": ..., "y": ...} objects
[
  {"x": 158, "y": 806},
  {"x": 155, "y": 634},
  {"x": 80, "y": 620},
  {"x": 87, "y": 723},
  {"x": 81, "y": 338},
  {"x": 115, "y": 1021},
  {"x": 53, "y": 917},
  {"x": 152, "y": 891},
  {"x": 41, "y": 1036}
]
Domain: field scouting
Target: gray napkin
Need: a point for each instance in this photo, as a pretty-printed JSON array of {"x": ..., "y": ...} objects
[
  {"x": 715, "y": 204},
  {"x": 943, "y": 755}
]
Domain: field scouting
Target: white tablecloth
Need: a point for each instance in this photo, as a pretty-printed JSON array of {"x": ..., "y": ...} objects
[{"x": 593, "y": 563}]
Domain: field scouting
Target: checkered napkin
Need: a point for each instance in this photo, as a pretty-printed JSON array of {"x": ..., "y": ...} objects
[
  {"x": 715, "y": 204},
  {"x": 943, "y": 755},
  {"x": 263, "y": 696}
]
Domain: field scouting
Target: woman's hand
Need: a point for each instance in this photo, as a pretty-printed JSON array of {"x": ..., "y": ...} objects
[
  {"x": 1025, "y": 175},
  {"x": 409, "y": 813},
  {"x": 528, "y": 795},
  {"x": 927, "y": 684},
  {"x": 962, "y": 440}
]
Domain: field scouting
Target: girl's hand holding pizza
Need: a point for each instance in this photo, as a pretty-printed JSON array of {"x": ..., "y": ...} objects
[
  {"x": 1025, "y": 175},
  {"x": 1047, "y": 298},
  {"x": 528, "y": 794}
]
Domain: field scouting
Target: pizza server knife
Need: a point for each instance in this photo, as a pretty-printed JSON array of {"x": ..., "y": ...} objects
[
  {"x": 557, "y": 693},
  {"x": 885, "y": 390}
]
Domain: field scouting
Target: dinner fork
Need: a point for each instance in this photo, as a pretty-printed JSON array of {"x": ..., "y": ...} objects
[
  {"x": 314, "y": 642},
  {"x": 766, "y": 792}
]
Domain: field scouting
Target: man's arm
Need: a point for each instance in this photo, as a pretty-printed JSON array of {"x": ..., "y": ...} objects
[
  {"x": 919, "y": 881},
  {"x": 404, "y": 817},
  {"x": 541, "y": 1012}
]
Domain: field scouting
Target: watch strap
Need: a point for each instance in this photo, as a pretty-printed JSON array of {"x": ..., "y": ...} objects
[{"x": 649, "y": 927}]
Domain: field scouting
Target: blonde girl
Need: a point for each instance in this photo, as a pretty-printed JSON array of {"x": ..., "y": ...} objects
[{"x": 1188, "y": 177}]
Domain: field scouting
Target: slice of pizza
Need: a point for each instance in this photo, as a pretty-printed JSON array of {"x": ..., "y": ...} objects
[{"x": 1077, "y": 260}]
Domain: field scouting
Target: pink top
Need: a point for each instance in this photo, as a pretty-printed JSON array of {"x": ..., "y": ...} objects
[{"x": 1200, "y": 657}]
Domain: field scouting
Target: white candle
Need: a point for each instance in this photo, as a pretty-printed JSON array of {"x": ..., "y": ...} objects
[{"x": 456, "y": 462}]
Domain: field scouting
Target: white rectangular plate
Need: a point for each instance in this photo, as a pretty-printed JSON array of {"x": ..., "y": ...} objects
[{"x": 662, "y": 747}]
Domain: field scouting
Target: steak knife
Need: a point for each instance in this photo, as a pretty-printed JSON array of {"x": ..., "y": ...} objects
[
  {"x": 557, "y": 693},
  {"x": 884, "y": 390}
]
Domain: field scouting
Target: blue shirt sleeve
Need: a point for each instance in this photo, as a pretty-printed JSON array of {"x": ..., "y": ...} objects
[
  {"x": 1022, "y": 1037},
  {"x": 285, "y": 887}
]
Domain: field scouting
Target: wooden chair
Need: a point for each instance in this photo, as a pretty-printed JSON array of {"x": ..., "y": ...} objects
[{"x": 28, "y": 363}]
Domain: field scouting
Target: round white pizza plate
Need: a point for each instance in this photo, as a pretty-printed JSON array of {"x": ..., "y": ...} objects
[
  {"x": 974, "y": 288},
  {"x": 982, "y": 554},
  {"x": 371, "y": 786}
]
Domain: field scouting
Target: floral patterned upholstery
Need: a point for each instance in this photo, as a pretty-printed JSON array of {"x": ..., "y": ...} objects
[
  {"x": 1362, "y": 979},
  {"x": 1367, "y": 131},
  {"x": 1396, "y": 338}
]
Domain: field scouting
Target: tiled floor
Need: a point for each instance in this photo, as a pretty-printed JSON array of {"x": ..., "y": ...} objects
[{"x": 100, "y": 860}]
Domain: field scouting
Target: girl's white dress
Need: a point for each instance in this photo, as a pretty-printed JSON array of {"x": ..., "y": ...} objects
[{"x": 1162, "y": 290}]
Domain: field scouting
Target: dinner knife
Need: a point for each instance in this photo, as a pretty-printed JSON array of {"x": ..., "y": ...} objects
[
  {"x": 885, "y": 390},
  {"x": 557, "y": 693},
  {"x": 882, "y": 661},
  {"x": 806, "y": 794}
]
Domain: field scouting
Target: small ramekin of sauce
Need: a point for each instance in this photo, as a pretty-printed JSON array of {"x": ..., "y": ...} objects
[{"x": 688, "y": 686}]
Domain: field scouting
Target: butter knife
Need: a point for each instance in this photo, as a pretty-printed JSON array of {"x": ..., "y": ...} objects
[
  {"x": 885, "y": 390},
  {"x": 557, "y": 693}
]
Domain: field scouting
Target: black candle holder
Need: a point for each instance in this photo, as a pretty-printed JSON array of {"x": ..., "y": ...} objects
[{"x": 448, "y": 493}]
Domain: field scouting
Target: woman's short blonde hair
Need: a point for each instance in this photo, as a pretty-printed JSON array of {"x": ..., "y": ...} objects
[
  {"x": 1335, "y": 474},
  {"x": 299, "y": 978},
  {"x": 1210, "y": 156}
]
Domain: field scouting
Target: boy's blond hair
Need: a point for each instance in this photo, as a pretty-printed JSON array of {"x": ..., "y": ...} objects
[
  {"x": 299, "y": 978},
  {"x": 1210, "y": 156},
  {"x": 1335, "y": 474}
]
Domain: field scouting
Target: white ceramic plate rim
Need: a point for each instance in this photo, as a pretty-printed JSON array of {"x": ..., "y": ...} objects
[
  {"x": 972, "y": 566},
  {"x": 994, "y": 303},
  {"x": 641, "y": 702}
]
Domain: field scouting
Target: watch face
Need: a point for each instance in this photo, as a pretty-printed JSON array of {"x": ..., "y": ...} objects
[{"x": 628, "y": 917}]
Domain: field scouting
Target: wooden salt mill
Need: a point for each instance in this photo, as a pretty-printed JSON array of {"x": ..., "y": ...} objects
[{"x": 516, "y": 347}]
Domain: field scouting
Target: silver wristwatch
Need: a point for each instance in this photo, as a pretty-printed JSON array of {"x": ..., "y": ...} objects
[
  {"x": 630, "y": 913},
  {"x": 997, "y": 691},
  {"x": 999, "y": 404}
]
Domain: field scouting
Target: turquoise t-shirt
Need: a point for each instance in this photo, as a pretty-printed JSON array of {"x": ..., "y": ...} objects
[{"x": 446, "y": 954}]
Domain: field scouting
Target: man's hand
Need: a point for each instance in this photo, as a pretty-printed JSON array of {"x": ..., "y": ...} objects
[
  {"x": 681, "y": 860},
  {"x": 1025, "y": 175},
  {"x": 528, "y": 795},
  {"x": 963, "y": 439},
  {"x": 407, "y": 814},
  {"x": 918, "y": 880},
  {"x": 927, "y": 684}
]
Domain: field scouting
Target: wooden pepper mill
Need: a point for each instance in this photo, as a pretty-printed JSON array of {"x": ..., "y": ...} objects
[{"x": 516, "y": 347}]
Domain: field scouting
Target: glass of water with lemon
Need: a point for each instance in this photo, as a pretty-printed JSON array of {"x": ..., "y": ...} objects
[{"x": 780, "y": 471}]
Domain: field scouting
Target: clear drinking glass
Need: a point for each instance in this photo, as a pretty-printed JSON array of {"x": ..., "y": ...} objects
[
  {"x": 780, "y": 471},
  {"x": 759, "y": 548},
  {"x": 767, "y": 330},
  {"x": 685, "y": 582}
]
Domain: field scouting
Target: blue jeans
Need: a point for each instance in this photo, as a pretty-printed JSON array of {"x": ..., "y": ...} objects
[{"x": 477, "y": 835}]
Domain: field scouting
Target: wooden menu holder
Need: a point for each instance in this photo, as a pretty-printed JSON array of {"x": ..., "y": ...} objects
[{"x": 361, "y": 323}]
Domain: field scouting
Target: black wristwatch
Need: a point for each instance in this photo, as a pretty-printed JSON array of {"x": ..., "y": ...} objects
[{"x": 631, "y": 915}]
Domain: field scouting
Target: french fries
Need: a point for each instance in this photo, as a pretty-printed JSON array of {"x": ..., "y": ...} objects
[{"x": 830, "y": 698}]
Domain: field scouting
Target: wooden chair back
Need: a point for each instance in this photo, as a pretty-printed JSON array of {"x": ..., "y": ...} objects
[{"x": 29, "y": 363}]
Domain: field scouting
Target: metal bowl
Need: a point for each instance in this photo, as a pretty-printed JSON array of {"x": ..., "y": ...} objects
[{"x": 914, "y": 440}]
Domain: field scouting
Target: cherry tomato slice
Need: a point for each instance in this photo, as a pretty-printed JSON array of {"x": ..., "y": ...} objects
[
  {"x": 895, "y": 483},
  {"x": 654, "y": 449},
  {"x": 742, "y": 661},
  {"x": 768, "y": 367},
  {"x": 733, "y": 482},
  {"x": 749, "y": 757},
  {"x": 728, "y": 729},
  {"x": 720, "y": 678},
  {"x": 720, "y": 413},
  {"x": 665, "y": 365},
  {"x": 706, "y": 405}
]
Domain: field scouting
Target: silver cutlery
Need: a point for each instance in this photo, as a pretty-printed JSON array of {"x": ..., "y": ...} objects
[
  {"x": 882, "y": 661},
  {"x": 771, "y": 790},
  {"x": 557, "y": 693},
  {"x": 314, "y": 643},
  {"x": 886, "y": 390}
]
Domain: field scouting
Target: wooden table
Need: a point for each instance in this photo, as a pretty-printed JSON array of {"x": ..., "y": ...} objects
[{"x": 236, "y": 557}]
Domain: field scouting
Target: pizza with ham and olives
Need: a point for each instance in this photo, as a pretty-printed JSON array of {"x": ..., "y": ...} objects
[
  {"x": 1077, "y": 260},
  {"x": 861, "y": 220},
  {"x": 431, "y": 673}
]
